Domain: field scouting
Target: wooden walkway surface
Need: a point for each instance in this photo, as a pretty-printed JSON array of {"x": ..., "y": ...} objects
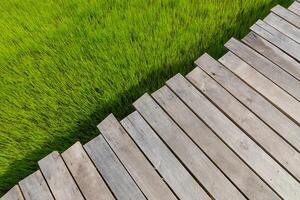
[{"x": 230, "y": 129}]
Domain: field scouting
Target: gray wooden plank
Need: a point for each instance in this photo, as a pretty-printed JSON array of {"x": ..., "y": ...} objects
[
  {"x": 134, "y": 161},
  {"x": 278, "y": 39},
  {"x": 34, "y": 187},
  {"x": 112, "y": 170},
  {"x": 272, "y": 143},
  {"x": 173, "y": 172},
  {"x": 273, "y": 53},
  {"x": 295, "y": 8},
  {"x": 85, "y": 174},
  {"x": 59, "y": 178},
  {"x": 276, "y": 33},
  {"x": 283, "y": 26},
  {"x": 284, "y": 184},
  {"x": 193, "y": 158},
  {"x": 265, "y": 67},
  {"x": 265, "y": 87},
  {"x": 13, "y": 194},
  {"x": 235, "y": 169},
  {"x": 250, "y": 98},
  {"x": 287, "y": 15}
]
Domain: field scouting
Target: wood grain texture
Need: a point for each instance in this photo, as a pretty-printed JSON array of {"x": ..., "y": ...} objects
[
  {"x": 265, "y": 67},
  {"x": 283, "y": 26},
  {"x": 273, "y": 53},
  {"x": 250, "y": 98},
  {"x": 287, "y": 15},
  {"x": 134, "y": 161},
  {"x": 235, "y": 169},
  {"x": 295, "y": 8},
  {"x": 85, "y": 174},
  {"x": 112, "y": 170},
  {"x": 193, "y": 158},
  {"x": 59, "y": 179},
  {"x": 34, "y": 187},
  {"x": 13, "y": 194},
  {"x": 278, "y": 39},
  {"x": 263, "y": 135},
  {"x": 286, "y": 186},
  {"x": 170, "y": 168},
  {"x": 265, "y": 87}
]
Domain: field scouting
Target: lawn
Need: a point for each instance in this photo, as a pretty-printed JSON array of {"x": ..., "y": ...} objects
[{"x": 66, "y": 64}]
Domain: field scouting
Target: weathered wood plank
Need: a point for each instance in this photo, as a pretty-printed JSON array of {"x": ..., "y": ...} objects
[
  {"x": 273, "y": 53},
  {"x": 287, "y": 15},
  {"x": 283, "y": 26},
  {"x": 278, "y": 39},
  {"x": 265, "y": 67},
  {"x": 250, "y": 98},
  {"x": 60, "y": 181},
  {"x": 295, "y": 8},
  {"x": 278, "y": 35},
  {"x": 34, "y": 187},
  {"x": 134, "y": 161},
  {"x": 272, "y": 143},
  {"x": 112, "y": 170},
  {"x": 237, "y": 171},
  {"x": 193, "y": 158},
  {"x": 265, "y": 87},
  {"x": 13, "y": 194},
  {"x": 85, "y": 174},
  {"x": 173, "y": 172},
  {"x": 285, "y": 185}
]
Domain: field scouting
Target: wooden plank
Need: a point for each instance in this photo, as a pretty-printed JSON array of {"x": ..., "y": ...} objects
[
  {"x": 85, "y": 174},
  {"x": 278, "y": 35},
  {"x": 278, "y": 39},
  {"x": 13, "y": 194},
  {"x": 250, "y": 98},
  {"x": 265, "y": 67},
  {"x": 283, "y": 26},
  {"x": 134, "y": 161},
  {"x": 34, "y": 187},
  {"x": 263, "y": 135},
  {"x": 287, "y": 15},
  {"x": 284, "y": 184},
  {"x": 112, "y": 170},
  {"x": 58, "y": 178},
  {"x": 173, "y": 172},
  {"x": 237, "y": 171},
  {"x": 269, "y": 90},
  {"x": 193, "y": 158},
  {"x": 273, "y": 53},
  {"x": 295, "y": 8}
]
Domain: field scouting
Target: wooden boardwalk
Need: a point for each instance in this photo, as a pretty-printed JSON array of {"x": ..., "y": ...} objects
[{"x": 230, "y": 129}]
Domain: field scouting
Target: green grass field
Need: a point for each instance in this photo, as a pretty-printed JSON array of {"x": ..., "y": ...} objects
[{"x": 66, "y": 64}]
